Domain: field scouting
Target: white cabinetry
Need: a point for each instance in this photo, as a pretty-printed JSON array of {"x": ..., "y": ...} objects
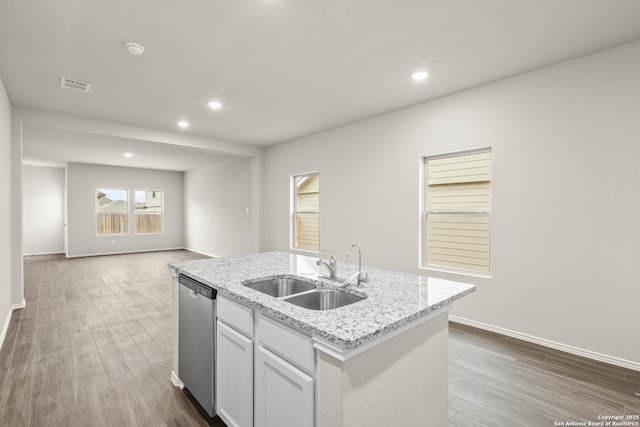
[
  {"x": 284, "y": 394},
  {"x": 284, "y": 383},
  {"x": 234, "y": 363},
  {"x": 269, "y": 383}
]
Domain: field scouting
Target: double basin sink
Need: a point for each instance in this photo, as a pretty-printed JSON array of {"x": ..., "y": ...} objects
[{"x": 304, "y": 294}]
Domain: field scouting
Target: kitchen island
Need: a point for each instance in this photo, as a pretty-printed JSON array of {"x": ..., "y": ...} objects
[{"x": 379, "y": 361}]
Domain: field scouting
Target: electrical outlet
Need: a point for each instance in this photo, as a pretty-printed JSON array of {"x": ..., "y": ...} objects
[{"x": 113, "y": 242}]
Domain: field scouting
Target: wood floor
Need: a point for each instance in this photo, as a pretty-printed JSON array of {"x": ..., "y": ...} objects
[
  {"x": 500, "y": 381},
  {"x": 93, "y": 347}
]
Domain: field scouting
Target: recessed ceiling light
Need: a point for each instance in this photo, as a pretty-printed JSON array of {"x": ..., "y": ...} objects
[
  {"x": 183, "y": 124},
  {"x": 419, "y": 75},
  {"x": 128, "y": 154},
  {"x": 215, "y": 105},
  {"x": 135, "y": 49}
]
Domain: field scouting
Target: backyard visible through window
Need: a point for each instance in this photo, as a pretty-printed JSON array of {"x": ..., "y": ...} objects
[
  {"x": 457, "y": 211},
  {"x": 149, "y": 211},
  {"x": 112, "y": 211},
  {"x": 306, "y": 212}
]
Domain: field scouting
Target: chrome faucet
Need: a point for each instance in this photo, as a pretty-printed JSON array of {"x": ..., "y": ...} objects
[
  {"x": 362, "y": 277},
  {"x": 332, "y": 265}
]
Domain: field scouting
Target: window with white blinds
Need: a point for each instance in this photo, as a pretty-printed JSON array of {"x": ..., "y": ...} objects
[
  {"x": 305, "y": 219},
  {"x": 457, "y": 208}
]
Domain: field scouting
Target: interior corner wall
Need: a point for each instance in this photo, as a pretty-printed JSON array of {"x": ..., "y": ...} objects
[
  {"x": 82, "y": 182},
  {"x": 6, "y": 223},
  {"x": 42, "y": 210},
  {"x": 564, "y": 226},
  {"x": 220, "y": 208}
]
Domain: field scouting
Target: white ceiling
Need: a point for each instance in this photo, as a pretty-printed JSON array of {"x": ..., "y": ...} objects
[
  {"x": 283, "y": 68},
  {"x": 55, "y": 148}
]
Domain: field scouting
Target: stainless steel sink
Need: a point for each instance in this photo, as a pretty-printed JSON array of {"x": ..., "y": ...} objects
[
  {"x": 281, "y": 287},
  {"x": 324, "y": 299}
]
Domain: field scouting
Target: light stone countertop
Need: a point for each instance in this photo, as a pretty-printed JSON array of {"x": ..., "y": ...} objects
[{"x": 393, "y": 298}]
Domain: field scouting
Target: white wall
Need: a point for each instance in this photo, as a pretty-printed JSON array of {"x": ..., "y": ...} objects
[
  {"x": 82, "y": 182},
  {"x": 217, "y": 197},
  {"x": 5, "y": 212},
  {"x": 565, "y": 233},
  {"x": 42, "y": 210}
]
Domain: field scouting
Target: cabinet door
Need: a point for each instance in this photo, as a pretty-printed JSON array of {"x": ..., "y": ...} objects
[
  {"x": 234, "y": 377},
  {"x": 284, "y": 394}
]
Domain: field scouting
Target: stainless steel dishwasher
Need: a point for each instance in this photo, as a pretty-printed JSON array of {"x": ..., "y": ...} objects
[{"x": 196, "y": 341}]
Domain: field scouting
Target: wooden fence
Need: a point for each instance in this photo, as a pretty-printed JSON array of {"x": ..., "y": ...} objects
[
  {"x": 148, "y": 223},
  {"x": 116, "y": 223}
]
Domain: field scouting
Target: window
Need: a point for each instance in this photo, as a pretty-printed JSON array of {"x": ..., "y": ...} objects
[
  {"x": 112, "y": 211},
  {"x": 149, "y": 211},
  {"x": 305, "y": 219},
  {"x": 457, "y": 208}
]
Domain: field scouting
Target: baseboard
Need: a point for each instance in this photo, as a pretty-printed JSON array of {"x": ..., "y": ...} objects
[
  {"x": 176, "y": 381},
  {"x": 23, "y": 304},
  {"x": 125, "y": 252},
  {"x": 5, "y": 328},
  {"x": 202, "y": 253},
  {"x": 44, "y": 253},
  {"x": 588, "y": 354}
]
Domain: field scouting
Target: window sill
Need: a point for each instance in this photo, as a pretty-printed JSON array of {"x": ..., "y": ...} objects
[
  {"x": 457, "y": 272},
  {"x": 304, "y": 251}
]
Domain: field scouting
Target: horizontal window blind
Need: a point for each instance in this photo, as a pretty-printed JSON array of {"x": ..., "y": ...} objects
[{"x": 457, "y": 207}]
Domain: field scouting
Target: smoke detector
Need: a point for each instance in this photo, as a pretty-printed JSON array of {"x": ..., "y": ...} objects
[
  {"x": 135, "y": 49},
  {"x": 76, "y": 85}
]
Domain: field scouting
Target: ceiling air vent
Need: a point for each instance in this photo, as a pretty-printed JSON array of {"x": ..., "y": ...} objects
[{"x": 74, "y": 85}]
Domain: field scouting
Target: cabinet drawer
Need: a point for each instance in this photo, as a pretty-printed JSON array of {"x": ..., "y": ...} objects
[
  {"x": 291, "y": 345},
  {"x": 236, "y": 315}
]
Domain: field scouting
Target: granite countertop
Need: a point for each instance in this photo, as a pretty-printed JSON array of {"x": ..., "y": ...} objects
[{"x": 393, "y": 299}]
